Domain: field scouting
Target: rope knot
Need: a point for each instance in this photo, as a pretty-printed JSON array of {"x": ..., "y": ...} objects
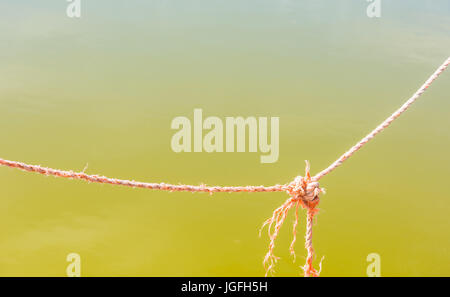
[{"x": 305, "y": 189}]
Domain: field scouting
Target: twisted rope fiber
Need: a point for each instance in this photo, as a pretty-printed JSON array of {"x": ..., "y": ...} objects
[{"x": 303, "y": 191}]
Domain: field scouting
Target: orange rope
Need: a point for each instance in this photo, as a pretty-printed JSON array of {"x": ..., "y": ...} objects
[{"x": 303, "y": 191}]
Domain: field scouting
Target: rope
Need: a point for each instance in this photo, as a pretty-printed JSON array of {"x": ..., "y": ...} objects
[
  {"x": 384, "y": 124},
  {"x": 303, "y": 191},
  {"x": 135, "y": 184}
]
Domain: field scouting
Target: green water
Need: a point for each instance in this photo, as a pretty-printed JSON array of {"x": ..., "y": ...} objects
[{"x": 102, "y": 90}]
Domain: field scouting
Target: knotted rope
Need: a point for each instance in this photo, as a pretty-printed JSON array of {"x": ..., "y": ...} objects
[{"x": 303, "y": 191}]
